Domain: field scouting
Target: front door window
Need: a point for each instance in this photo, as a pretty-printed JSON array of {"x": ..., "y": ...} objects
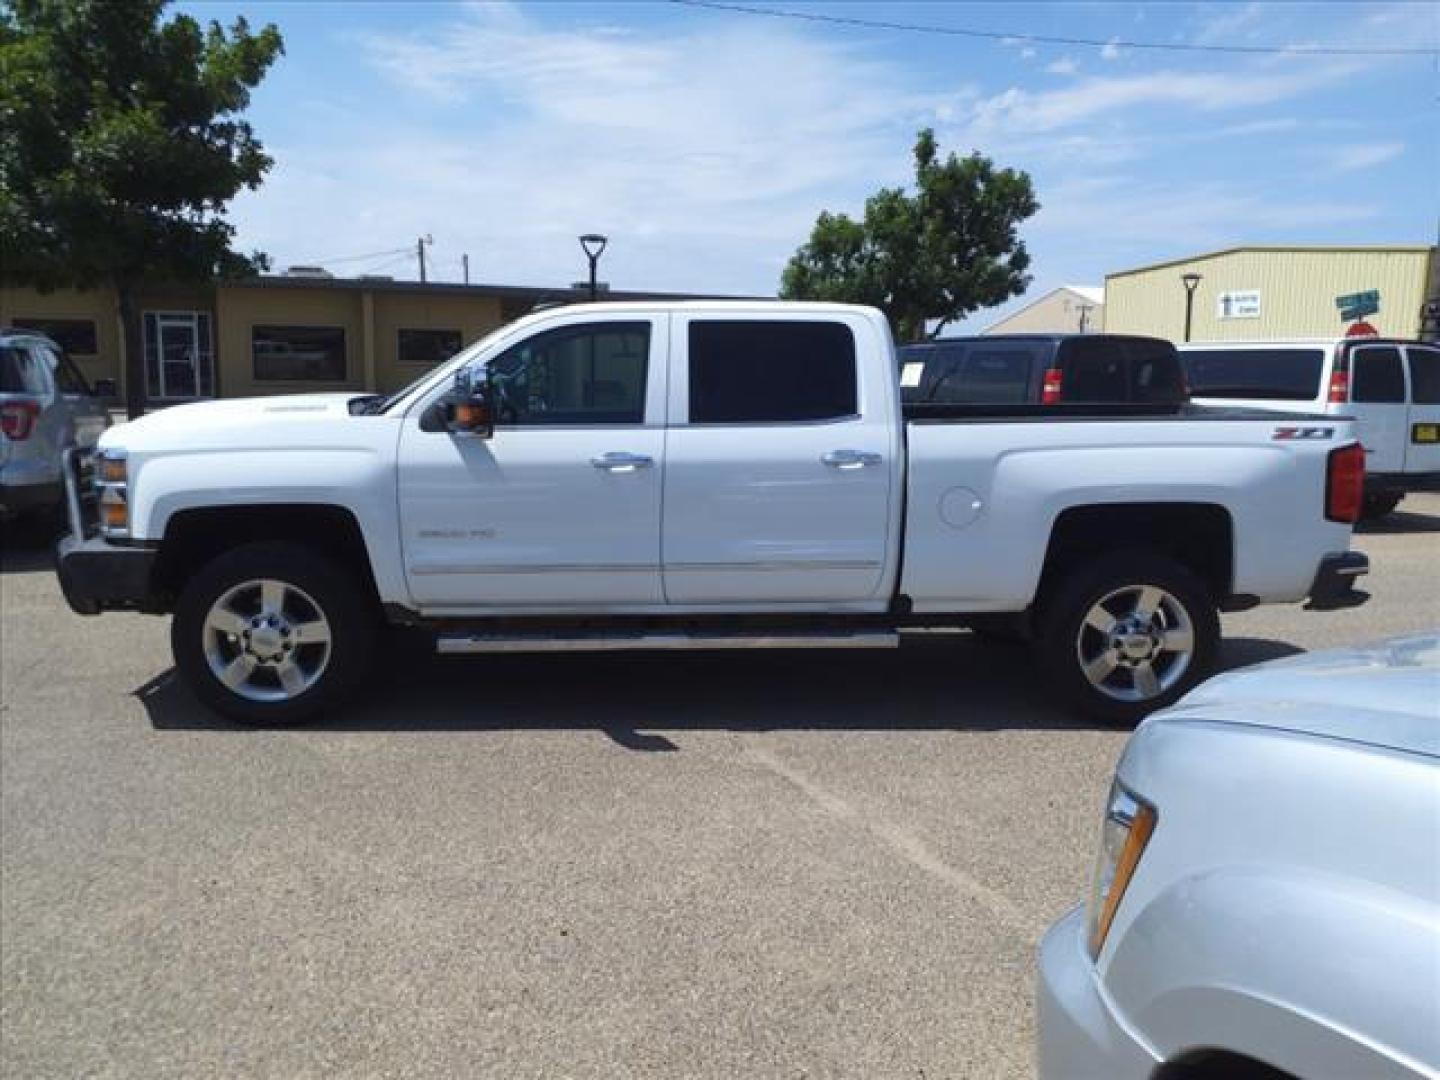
[{"x": 178, "y": 360}]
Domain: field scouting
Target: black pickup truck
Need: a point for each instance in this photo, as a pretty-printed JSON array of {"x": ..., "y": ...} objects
[{"x": 1043, "y": 370}]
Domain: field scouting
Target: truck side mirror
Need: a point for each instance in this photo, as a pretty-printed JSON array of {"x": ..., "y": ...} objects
[{"x": 468, "y": 408}]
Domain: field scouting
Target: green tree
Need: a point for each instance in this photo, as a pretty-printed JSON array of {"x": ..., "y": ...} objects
[
  {"x": 121, "y": 142},
  {"x": 948, "y": 250}
]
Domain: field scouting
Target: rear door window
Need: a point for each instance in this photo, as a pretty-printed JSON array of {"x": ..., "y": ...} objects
[
  {"x": 1271, "y": 374},
  {"x": 1424, "y": 375},
  {"x": 1376, "y": 375},
  {"x": 756, "y": 372}
]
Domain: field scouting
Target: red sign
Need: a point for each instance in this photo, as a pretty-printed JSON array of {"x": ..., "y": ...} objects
[{"x": 1361, "y": 329}]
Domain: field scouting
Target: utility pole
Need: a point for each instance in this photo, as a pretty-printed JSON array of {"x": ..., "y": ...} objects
[
  {"x": 465, "y": 267},
  {"x": 420, "y": 252}
]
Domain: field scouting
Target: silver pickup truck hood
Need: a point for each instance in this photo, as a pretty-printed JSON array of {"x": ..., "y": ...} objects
[{"x": 1385, "y": 694}]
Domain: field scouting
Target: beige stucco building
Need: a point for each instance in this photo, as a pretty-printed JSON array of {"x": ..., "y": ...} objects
[
  {"x": 1273, "y": 292},
  {"x": 279, "y": 334},
  {"x": 1070, "y": 309}
]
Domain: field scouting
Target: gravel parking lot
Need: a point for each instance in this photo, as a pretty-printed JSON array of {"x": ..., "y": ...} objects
[{"x": 817, "y": 864}]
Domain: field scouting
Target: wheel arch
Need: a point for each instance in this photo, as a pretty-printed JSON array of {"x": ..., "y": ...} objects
[
  {"x": 195, "y": 536},
  {"x": 1198, "y": 535}
]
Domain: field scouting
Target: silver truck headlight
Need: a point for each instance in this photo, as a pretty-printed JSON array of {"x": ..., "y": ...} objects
[{"x": 1129, "y": 824}]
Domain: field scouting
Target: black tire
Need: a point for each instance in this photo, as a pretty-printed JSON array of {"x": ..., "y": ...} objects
[
  {"x": 1065, "y": 609},
  {"x": 312, "y": 582},
  {"x": 1379, "y": 505}
]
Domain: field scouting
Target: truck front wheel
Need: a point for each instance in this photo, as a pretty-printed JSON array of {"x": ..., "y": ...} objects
[
  {"x": 272, "y": 633},
  {"x": 1127, "y": 635}
]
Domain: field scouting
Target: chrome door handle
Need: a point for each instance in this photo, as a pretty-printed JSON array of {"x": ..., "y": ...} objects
[
  {"x": 851, "y": 459},
  {"x": 620, "y": 462}
]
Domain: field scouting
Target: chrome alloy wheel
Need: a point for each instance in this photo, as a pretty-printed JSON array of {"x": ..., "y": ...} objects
[
  {"x": 266, "y": 640},
  {"x": 1135, "y": 643}
]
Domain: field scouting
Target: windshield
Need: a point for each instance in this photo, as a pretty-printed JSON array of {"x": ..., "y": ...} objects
[{"x": 1278, "y": 374}]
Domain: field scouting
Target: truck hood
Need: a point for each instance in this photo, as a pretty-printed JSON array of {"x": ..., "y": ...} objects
[
  {"x": 1386, "y": 694},
  {"x": 211, "y": 423}
]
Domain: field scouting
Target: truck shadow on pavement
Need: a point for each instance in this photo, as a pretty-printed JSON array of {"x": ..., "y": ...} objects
[
  {"x": 955, "y": 683},
  {"x": 1399, "y": 523}
]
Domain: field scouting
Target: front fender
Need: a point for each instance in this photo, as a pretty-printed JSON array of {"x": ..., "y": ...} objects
[{"x": 1320, "y": 976}]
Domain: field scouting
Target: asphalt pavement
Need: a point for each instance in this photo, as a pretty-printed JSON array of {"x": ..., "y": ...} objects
[{"x": 754, "y": 864}]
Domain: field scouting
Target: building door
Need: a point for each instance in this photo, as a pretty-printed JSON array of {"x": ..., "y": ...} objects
[{"x": 178, "y": 362}]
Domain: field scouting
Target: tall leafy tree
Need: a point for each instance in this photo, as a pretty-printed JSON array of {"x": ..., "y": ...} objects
[
  {"x": 949, "y": 249},
  {"x": 121, "y": 142}
]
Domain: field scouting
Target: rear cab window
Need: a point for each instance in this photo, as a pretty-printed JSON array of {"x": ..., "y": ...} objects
[
  {"x": 1376, "y": 375},
  {"x": 1272, "y": 374},
  {"x": 758, "y": 372}
]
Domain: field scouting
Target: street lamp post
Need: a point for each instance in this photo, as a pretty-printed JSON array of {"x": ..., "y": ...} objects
[
  {"x": 1192, "y": 281},
  {"x": 593, "y": 244}
]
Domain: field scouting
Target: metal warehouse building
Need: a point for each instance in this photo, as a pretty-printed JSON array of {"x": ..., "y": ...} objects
[{"x": 1249, "y": 293}]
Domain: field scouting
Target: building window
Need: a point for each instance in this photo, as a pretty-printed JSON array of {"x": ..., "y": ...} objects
[
  {"x": 428, "y": 347},
  {"x": 763, "y": 372},
  {"x": 298, "y": 353},
  {"x": 76, "y": 336}
]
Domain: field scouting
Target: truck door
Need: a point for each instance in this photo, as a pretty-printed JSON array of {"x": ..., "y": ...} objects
[
  {"x": 1377, "y": 401},
  {"x": 781, "y": 461},
  {"x": 1422, "y": 450},
  {"x": 561, "y": 506}
]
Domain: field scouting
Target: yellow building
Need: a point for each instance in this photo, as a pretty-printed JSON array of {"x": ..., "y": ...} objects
[
  {"x": 1271, "y": 293},
  {"x": 279, "y": 334}
]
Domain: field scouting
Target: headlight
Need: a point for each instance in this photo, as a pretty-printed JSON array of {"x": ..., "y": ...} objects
[
  {"x": 112, "y": 477},
  {"x": 1129, "y": 824}
]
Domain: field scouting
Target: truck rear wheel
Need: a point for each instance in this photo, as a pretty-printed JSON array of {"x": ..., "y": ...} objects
[
  {"x": 272, "y": 633},
  {"x": 1127, "y": 635}
]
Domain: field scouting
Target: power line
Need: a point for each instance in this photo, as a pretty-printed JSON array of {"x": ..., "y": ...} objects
[
  {"x": 1042, "y": 39},
  {"x": 358, "y": 258}
]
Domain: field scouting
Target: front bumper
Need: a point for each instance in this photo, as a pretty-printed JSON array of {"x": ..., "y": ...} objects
[
  {"x": 96, "y": 575},
  {"x": 1334, "y": 584},
  {"x": 1079, "y": 1036}
]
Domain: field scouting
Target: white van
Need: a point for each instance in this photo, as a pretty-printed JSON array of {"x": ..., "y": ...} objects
[{"x": 1391, "y": 387}]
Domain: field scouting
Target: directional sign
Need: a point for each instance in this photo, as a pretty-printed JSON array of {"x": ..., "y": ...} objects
[{"x": 1358, "y": 305}]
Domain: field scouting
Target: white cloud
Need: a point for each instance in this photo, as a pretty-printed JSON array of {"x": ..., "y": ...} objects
[
  {"x": 1064, "y": 66},
  {"x": 1234, "y": 24},
  {"x": 1016, "y": 109},
  {"x": 1111, "y": 50},
  {"x": 1362, "y": 155},
  {"x": 705, "y": 155}
]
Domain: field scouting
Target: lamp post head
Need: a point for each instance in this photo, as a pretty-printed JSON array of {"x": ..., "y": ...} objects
[
  {"x": 593, "y": 244},
  {"x": 1191, "y": 280}
]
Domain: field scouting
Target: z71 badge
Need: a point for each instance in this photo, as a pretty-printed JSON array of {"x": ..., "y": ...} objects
[{"x": 1303, "y": 433}]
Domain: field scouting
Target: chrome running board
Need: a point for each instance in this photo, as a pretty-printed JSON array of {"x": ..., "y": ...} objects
[{"x": 616, "y": 641}]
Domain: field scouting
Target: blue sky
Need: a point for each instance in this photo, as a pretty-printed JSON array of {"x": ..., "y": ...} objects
[{"x": 705, "y": 142}]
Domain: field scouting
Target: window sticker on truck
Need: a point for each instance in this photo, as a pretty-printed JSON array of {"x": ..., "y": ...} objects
[{"x": 910, "y": 375}]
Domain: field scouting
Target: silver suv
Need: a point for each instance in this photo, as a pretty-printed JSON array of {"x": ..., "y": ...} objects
[{"x": 46, "y": 407}]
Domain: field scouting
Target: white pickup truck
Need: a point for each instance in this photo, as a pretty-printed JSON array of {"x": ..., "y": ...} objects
[{"x": 703, "y": 476}]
